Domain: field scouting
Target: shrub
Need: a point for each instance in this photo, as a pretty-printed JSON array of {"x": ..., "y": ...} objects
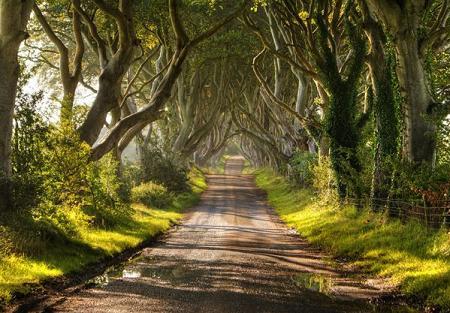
[
  {"x": 54, "y": 183},
  {"x": 151, "y": 194},
  {"x": 300, "y": 168},
  {"x": 323, "y": 181},
  {"x": 163, "y": 168},
  {"x": 29, "y": 141},
  {"x": 430, "y": 185},
  {"x": 108, "y": 195}
]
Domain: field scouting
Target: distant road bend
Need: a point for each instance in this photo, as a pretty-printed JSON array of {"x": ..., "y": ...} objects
[{"x": 231, "y": 254}]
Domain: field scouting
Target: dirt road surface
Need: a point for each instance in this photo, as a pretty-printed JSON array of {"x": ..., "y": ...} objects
[{"x": 231, "y": 254}]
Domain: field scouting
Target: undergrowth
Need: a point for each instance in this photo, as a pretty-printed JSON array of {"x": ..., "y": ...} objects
[
  {"x": 27, "y": 260},
  {"x": 412, "y": 257}
]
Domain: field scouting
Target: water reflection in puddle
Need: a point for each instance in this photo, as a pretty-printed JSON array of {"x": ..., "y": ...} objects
[
  {"x": 129, "y": 273},
  {"x": 314, "y": 282},
  {"x": 175, "y": 274},
  {"x": 325, "y": 284}
]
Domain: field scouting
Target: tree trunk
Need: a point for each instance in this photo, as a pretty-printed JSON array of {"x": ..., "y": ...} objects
[
  {"x": 420, "y": 141},
  {"x": 385, "y": 108},
  {"x": 386, "y": 124},
  {"x": 147, "y": 114},
  {"x": 66, "y": 113},
  {"x": 185, "y": 103},
  {"x": 403, "y": 21},
  {"x": 14, "y": 17},
  {"x": 107, "y": 98}
]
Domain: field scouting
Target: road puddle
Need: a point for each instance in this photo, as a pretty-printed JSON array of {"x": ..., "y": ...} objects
[
  {"x": 324, "y": 285},
  {"x": 314, "y": 282},
  {"x": 143, "y": 269}
]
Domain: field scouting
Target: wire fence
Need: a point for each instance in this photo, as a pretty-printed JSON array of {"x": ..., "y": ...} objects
[{"x": 435, "y": 216}]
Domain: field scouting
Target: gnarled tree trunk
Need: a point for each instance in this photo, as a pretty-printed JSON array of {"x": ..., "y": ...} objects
[
  {"x": 420, "y": 141},
  {"x": 14, "y": 17},
  {"x": 387, "y": 130},
  {"x": 403, "y": 20}
]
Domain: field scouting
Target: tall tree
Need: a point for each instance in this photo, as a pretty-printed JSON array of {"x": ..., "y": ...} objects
[
  {"x": 114, "y": 65},
  {"x": 387, "y": 128},
  {"x": 70, "y": 68},
  {"x": 404, "y": 22},
  {"x": 14, "y": 16}
]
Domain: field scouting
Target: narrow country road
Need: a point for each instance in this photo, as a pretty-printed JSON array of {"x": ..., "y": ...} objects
[{"x": 231, "y": 254}]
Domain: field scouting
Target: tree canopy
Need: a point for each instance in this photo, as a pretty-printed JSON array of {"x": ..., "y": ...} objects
[{"x": 363, "y": 83}]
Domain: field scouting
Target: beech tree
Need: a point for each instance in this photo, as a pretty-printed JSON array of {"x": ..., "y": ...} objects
[
  {"x": 385, "y": 106},
  {"x": 404, "y": 22},
  {"x": 14, "y": 17},
  {"x": 70, "y": 68},
  {"x": 330, "y": 50}
]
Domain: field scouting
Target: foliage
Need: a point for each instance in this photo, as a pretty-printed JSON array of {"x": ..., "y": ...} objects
[
  {"x": 429, "y": 186},
  {"x": 443, "y": 141},
  {"x": 342, "y": 122},
  {"x": 6, "y": 243},
  {"x": 163, "y": 168},
  {"x": 108, "y": 192},
  {"x": 197, "y": 180},
  {"x": 54, "y": 182},
  {"x": 30, "y": 134},
  {"x": 152, "y": 195},
  {"x": 409, "y": 255},
  {"x": 386, "y": 107},
  {"x": 323, "y": 180},
  {"x": 301, "y": 168}
]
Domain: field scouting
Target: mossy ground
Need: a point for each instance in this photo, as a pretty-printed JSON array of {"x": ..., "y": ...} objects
[
  {"x": 414, "y": 258},
  {"x": 58, "y": 256}
]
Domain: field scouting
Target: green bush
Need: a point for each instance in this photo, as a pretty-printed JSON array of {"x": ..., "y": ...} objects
[
  {"x": 300, "y": 168},
  {"x": 429, "y": 185},
  {"x": 323, "y": 181},
  {"x": 151, "y": 194},
  {"x": 29, "y": 142},
  {"x": 165, "y": 169},
  {"x": 108, "y": 194},
  {"x": 55, "y": 186}
]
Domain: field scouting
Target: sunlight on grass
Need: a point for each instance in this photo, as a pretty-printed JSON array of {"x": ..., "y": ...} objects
[
  {"x": 20, "y": 271},
  {"x": 16, "y": 270},
  {"x": 411, "y": 256}
]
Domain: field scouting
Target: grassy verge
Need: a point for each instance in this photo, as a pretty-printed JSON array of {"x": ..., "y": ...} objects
[
  {"x": 409, "y": 255},
  {"x": 56, "y": 256}
]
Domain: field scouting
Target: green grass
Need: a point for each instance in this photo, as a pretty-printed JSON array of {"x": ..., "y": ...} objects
[
  {"x": 57, "y": 256},
  {"x": 412, "y": 257}
]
